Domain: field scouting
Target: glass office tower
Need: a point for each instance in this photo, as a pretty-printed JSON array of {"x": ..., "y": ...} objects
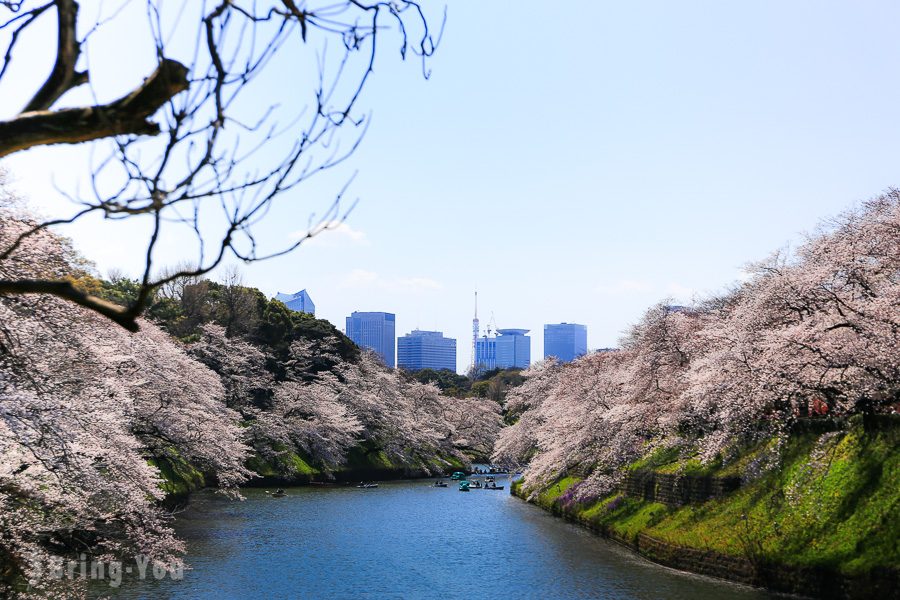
[
  {"x": 565, "y": 341},
  {"x": 298, "y": 301},
  {"x": 486, "y": 353},
  {"x": 513, "y": 349},
  {"x": 375, "y": 331},
  {"x": 426, "y": 350}
]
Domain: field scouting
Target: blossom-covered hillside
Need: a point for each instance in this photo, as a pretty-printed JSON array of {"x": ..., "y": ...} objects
[{"x": 811, "y": 333}]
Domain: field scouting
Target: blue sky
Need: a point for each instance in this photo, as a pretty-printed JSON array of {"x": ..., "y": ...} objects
[{"x": 574, "y": 162}]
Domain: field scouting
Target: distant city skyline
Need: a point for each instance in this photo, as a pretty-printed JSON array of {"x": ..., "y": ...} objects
[{"x": 424, "y": 349}]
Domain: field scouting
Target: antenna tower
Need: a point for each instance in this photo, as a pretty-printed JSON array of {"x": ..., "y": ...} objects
[{"x": 475, "y": 331}]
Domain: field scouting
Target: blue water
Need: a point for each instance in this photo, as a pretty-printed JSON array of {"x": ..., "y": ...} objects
[{"x": 404, "y": 540}]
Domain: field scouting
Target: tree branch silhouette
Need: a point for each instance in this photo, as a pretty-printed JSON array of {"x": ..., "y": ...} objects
[{"x": 190, "y": 149}]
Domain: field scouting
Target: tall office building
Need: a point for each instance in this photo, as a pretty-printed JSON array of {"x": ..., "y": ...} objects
[
  {"x": 513, "y": 349},
  {"x": 374, "y": 330},
  {"x": 565, "y": 341},
  {"x": 426, "y": 350},
  {"x": 486, "y": 353},
  {"x": 299, "y": 301}
]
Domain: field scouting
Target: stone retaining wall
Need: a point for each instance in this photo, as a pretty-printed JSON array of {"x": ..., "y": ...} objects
[
  {"x": 677, "y": 490},
  {"x": 823, "y": 582}
]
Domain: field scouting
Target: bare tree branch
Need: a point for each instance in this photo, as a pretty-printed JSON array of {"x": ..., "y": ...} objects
[
  {"x": 128, "y": 115},
  {"x": 64, "y": 76},
  {"x": 67, "y": 291},
  {"x": 206, "y": 157}
]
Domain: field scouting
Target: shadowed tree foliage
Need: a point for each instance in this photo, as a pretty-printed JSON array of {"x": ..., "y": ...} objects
[
  {"x": 447, "y": 381},
  {"x": 242, "y": 311},
  {"x": 492, "y": 384}
]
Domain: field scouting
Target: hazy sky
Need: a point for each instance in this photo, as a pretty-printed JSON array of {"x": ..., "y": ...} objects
[{"x": 575, "y": 161}]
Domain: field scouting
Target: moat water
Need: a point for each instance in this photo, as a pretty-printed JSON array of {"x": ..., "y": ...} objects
[{"x": 404, "y": 540}]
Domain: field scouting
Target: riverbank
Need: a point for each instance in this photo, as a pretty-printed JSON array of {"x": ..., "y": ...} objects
[
  {"x": 362, "y": 464},
  {"x": 180, "y": 479},
  {"x": 824, "y": 523}
]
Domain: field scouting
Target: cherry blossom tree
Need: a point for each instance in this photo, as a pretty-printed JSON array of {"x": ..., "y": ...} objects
[
  {"x": 811, "y": 332},
  {"x": 321, "y": 405},
  {"x": 518, "y": 442},
  {"x": 410, "y": 422},
  {"x": 84, "y": 409},
  {"x": 814, "y": 329},
  {"x": 312, "y": 417},
  {"x": 241, "y": 366},
  {"x": 88, "y": 411}
]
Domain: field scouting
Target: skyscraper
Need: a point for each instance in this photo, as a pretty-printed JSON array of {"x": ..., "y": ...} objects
[
  {"x": 486, "y": 353},
  {"x": 426, "y": 350},
  {"x": 565, "y": 341},
  {"x": 298, "y": 301},
  {"x": 374, "y": 330},
  {"x": 513, "y": 349}
]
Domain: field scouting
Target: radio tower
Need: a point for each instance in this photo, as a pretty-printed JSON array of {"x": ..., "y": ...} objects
[{"x": 475, "y": 332}]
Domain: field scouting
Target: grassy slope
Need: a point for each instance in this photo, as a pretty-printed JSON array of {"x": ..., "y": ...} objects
[
  {"x": 361, "y": 463},
  {"x": 180, "y": 478},
  {"x": 841, "y": 510}
]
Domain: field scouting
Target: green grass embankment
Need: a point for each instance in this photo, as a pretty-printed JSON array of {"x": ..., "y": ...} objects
[
  {"x": 179, "y": 478},
  {"x": 830, "y": 510},
  {"x": 363, "y": 462}
]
